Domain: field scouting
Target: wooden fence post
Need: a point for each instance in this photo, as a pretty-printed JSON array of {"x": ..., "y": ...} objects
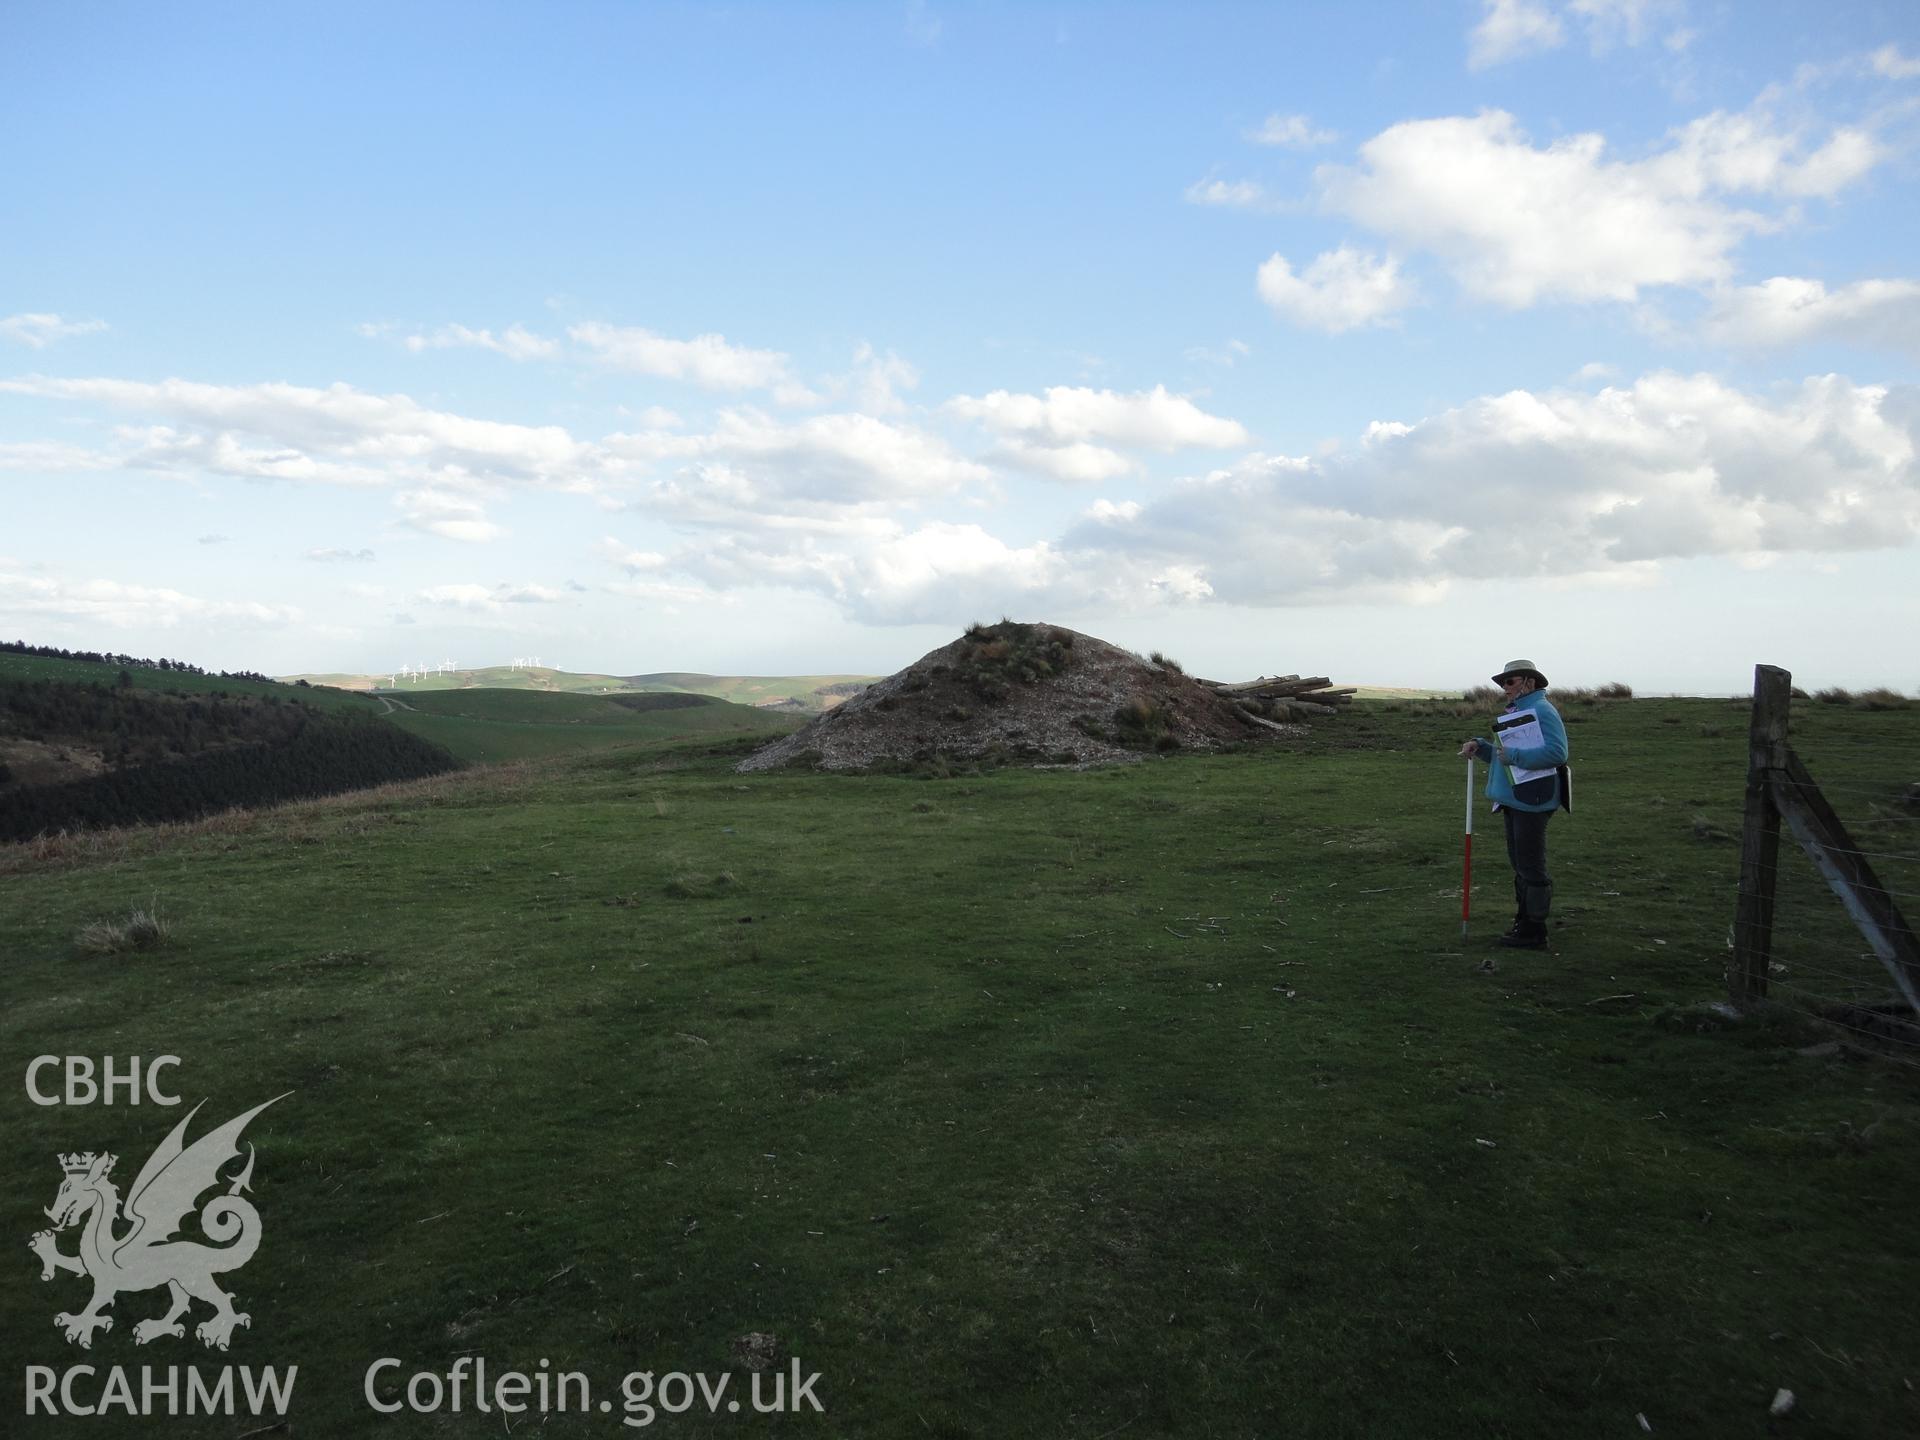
[{"x": 1759, "y": 836}]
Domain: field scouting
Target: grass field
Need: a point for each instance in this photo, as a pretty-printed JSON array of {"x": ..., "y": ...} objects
[
  {"x": 1162, "y": 1100},
  {"x": 489, "y": 726}
]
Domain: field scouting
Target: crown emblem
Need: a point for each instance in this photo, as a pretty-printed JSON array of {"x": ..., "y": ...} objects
[{"x": 80, "y": 1162}]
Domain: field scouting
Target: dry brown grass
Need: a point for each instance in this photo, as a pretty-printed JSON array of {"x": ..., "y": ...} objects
[
  {"x": 299, "y": 822},
  {"x": 143, "y": 929}
]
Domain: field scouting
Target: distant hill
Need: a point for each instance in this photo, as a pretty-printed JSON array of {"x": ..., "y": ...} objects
[
  {"x": 811, "y": 693},
  {"x": 802, "y": 693},
  {"x": 487, "y": 725}
]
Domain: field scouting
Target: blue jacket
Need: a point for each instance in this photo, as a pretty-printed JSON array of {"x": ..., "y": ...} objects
[{"x": 1542, "y": 794}]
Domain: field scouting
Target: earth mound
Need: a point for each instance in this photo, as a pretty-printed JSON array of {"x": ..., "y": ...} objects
[{"x": 1039, "y": 694}]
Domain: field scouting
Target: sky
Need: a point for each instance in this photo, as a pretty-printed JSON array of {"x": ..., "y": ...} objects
[{"x": 1385, "y": 342}]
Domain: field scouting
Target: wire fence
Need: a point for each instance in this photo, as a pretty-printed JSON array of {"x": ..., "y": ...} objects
[{"x": 1839, "y": 941}]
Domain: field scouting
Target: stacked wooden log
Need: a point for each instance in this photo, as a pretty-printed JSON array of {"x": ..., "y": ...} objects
[{"x": 1284, "y": 697}]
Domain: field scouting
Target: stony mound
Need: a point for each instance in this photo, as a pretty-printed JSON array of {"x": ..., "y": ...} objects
[{"x": 1026, "y": 693}]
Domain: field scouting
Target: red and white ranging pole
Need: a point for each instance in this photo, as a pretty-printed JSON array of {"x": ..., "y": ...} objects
[{"x": 1466, "y": 861}]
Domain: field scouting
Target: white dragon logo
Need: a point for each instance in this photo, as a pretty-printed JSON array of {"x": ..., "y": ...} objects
[{"x": 146, "y": 1255}]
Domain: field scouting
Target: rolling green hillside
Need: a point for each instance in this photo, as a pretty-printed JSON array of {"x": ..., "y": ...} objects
[
  {"x": 811, "y": 692},
  {"x": 485, "y": 726},
  {"x": 489, "y": 677},
  {"x": 805, "y": 692}
]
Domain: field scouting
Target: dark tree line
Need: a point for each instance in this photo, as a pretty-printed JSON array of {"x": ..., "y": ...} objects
[
  {"x": 323, "y": 753},
  {"x": 140, "y": 727},
  {"x": 53, "y": 652}
]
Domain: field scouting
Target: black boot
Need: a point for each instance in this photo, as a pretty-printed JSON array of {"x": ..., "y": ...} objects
[{"x": 1525, "y": 935}]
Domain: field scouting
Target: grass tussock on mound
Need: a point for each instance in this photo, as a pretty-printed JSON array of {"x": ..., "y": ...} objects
[{"x": 143, "y": 929}]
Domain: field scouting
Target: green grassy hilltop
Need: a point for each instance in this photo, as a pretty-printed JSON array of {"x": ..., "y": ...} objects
[{"x": 1153, "y": 1101}]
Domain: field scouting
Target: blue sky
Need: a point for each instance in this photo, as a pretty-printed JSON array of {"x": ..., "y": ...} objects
[{"x": 1386, "y": 344}]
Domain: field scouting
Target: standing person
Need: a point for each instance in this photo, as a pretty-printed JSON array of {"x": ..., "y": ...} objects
[{"x": 1526, "y": 779}]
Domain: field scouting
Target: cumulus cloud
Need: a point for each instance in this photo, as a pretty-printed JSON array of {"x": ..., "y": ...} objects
[
  {"x": 338, "y": 435},
  {"x": 750, "y": 462},
  {"x": 450, "y": 516},
  {"x": 487, "y": 600},
  {"x": 443, "y": 468},
  {"x": 1786, "y": 310},
  {"x": 516, "y": 342},
  {"x": 1890, "y": 62},
  {"x": 1295, "y": 132},
  {"x": 37, "y": 331},
  {"x": 1509, "y": 29},
  {"x": 1555, "y": 483},
  {"x": 1513, "y": 29},
  {"x": 1341, "y": 290},
  {"x": 1517, "y": 223},
  {"x": 1069, "y": 431},
  {"x": 111, "y": 603},
  {"x": 1234, "y": 195},
  {"x": 335, "y": 556},
  {"x": 706, "y": 360},
  {"x": 51, "y": 455}
]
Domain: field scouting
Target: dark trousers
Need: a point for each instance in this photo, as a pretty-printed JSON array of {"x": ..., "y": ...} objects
[{"x": 1527, "y": 851}]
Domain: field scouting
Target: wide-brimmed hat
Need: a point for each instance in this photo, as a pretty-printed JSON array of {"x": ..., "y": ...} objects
[{"x": 1521, "y": 667}]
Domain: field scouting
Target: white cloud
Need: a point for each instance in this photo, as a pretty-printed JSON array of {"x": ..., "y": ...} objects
[
  {"x": 1558, "y": 483},
  {"x": 1077, "y": 463},
  {"x": 108, "y": 602},
  {"x": 873, "y": 385},
  {"x": 751, "y": 463},
  {"x": 1518, "y": 223},
  {"x": 516, "y": 343},
  {"x": 460, "y": 597},
  {"x": 1513, "y": 29},
  {"x": 1746, "y": 153},
  {"x": 1627, "y": 22},
  {"x": 878, "y": 379},
  {"x": 1295, "y": 132},
  {"x": 485, "y": 600},
  {"x": 706, "y": 360},
  {"x": 1235, "y": 195},
  {"x": 1510, "y": 29},
  {"x": 923, "y": 26},
  {"x": 1786, "y": 310},
  {"x": 1341, "y": 290},
  {"x": 883, "y": 573},
  {"x": 1228, "y": 356},
  {"x": 1889, "y": 61},
  {"x": 51, "y": 455},
  {"x": 336, "y": 556},
  {"x": 41, "y": 330},
  {"x": 1108, "y": 512},
  {"x": 338, "y": 435},
  {"x": 451, "y": 517},
  {"x": 1066, "y": 415},
  {"x": 634, "y": 562}
]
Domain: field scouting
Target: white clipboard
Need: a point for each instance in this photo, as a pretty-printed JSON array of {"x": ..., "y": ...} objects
[{"x": 1520, "y": 729}]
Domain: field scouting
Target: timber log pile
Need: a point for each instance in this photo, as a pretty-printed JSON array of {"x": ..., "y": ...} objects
[{"x": 1284, "y": 697}]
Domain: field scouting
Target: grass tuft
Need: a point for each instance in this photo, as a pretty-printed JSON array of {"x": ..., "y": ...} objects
[{"x": 141, "y": 930}]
